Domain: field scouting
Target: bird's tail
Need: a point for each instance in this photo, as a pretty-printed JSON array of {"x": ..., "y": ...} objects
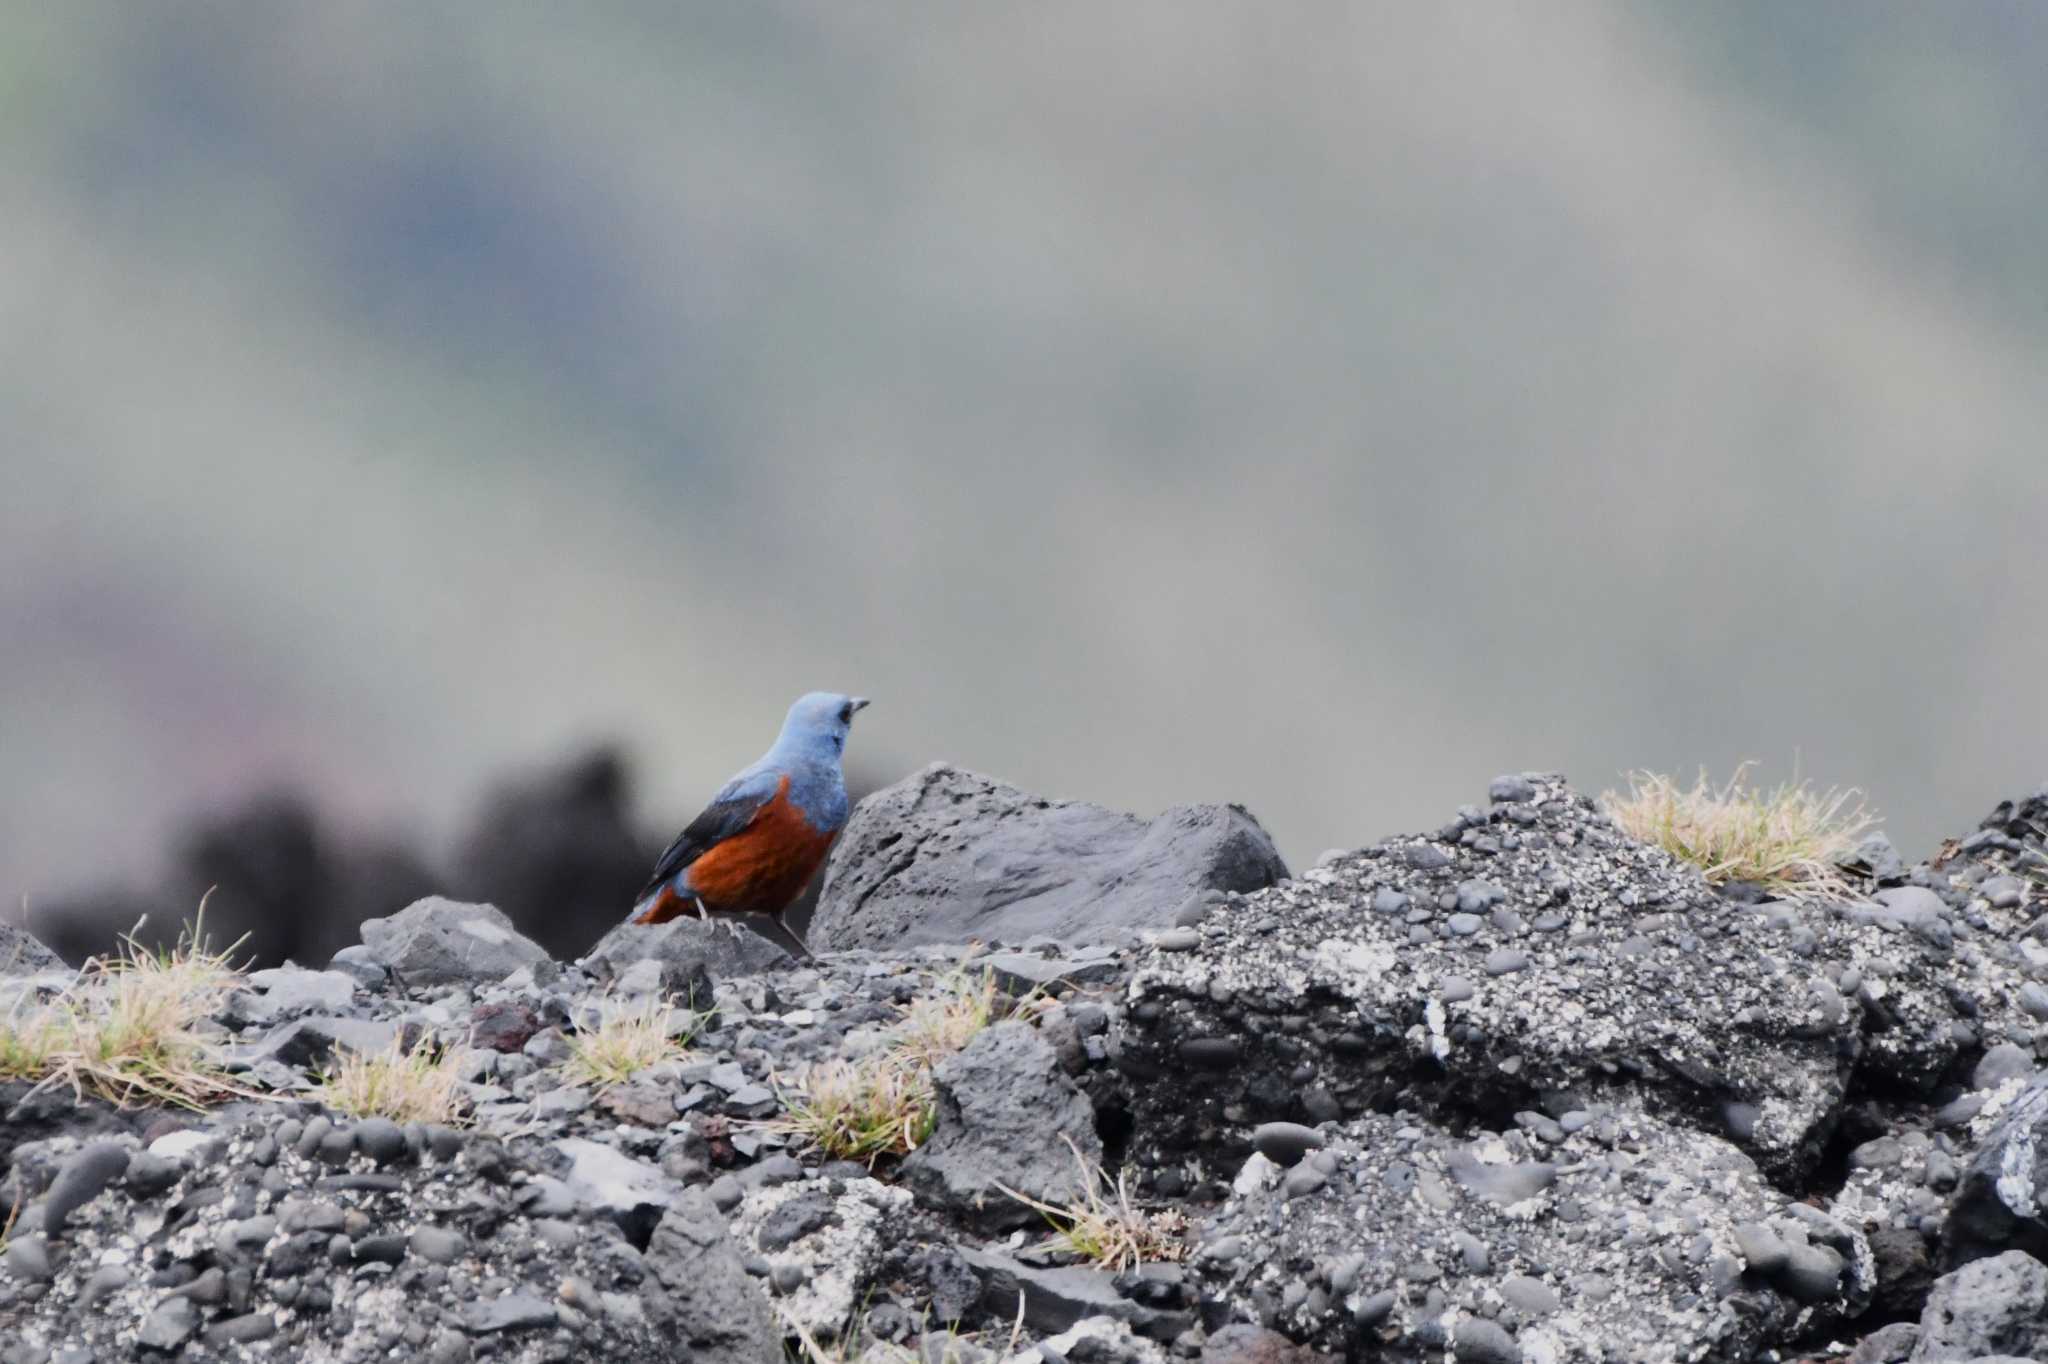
[{"x": 658, "y": 906}]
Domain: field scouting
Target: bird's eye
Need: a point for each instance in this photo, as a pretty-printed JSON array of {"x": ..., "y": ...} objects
[{"x": 846, "y": 713}]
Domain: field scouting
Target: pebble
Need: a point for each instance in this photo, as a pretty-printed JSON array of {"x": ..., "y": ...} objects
[
  {"x": 1465, "y": 925},
  {"x": 149, "y": 1174},
  {"x": 1457, "y": 989},
  {"x": 1285, "y": 1143},
  {"x": 1762, "y": 1248},
  {"x": 1530, "y": 1295},
  {"x": 1812, "y": 1273},
  {"x": 169, "y": 1326},
  {"x": 79, "y": 1180},
  {"x": 381, "y": 1139},
  {"x": 438, "y": 1245},
  {"x": 1178, "y": 940},
  {"x": 1479, "y": 1341},
  {"x": 1386, "y": 900},
  {"x": 726, "y": 1193},
  {"x": 28, "y": 1258},
  {"x": 510, "y": 1312},
  {"x": 1506, "y": 961}
]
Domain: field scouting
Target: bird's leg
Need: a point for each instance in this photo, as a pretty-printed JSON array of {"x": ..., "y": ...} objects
[{"x": 703, "y": 914}]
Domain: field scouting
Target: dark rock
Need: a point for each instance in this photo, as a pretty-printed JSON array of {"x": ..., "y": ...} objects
[
  {"x": 1744, "y": 1027},
  {"x": 1056, "y": 1298},
  {"x": 1007, "y": 1115},
  {"x": 310, "y": 1043},
  {"x": 697, "y": 1294},
  {"x": 381, "y": 1139},
  {"x": 502, "y": 1025},
  {"x": 1992, "y": 1306},
  {"x": 1285, "y": 1143},
  {"x": 2003, "y": 1198},
  {"x": 948, "y": 856},
  {"x": 445, "y": 942},
  {"x": 79, "y": 1181}
]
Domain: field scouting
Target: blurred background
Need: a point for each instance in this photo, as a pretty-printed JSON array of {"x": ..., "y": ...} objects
[{"x": 438, "y": 442}]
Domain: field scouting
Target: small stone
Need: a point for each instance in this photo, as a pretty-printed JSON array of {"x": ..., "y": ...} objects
[
  {"x": 80, "y": 1180},
  {"x": 1389, "y": 901},
  {"x": 1465, "y": 925},
  {"x": 28, "y": 1258},
  {"x": 1762, "y": 1249},
  {"x": 1529, "y": 1295},
  {"x": 243, "y": 1330},
  {"x": 150, "y": 1174},
  {"x": 1178, "y": 940},
  {"x": 1285, "y": 1143},
  {"x": 1374, "y": 1309},
  {"x": 1811, "y": 1274},
  {"x": 169, "y": 1326},
  {"x": 1457, "y": 989},
  {"x": 1506, "y": 961},
  {"x": 381, "y": 1139},
  {"x": 1479, "y": 1341},
  {"x": 438, "y": 1245},
  {"x": 511, "y": 1312},
  {"x": 1506, "y": 790}
]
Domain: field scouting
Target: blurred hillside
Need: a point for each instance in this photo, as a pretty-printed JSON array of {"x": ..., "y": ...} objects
[{"x": 1323, "y": 409}]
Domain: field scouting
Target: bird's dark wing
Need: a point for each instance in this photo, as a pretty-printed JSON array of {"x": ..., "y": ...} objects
[{"x": 731, "y": 810}]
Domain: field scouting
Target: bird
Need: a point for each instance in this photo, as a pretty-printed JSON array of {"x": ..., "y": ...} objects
[{"x": 756, "y": 846}]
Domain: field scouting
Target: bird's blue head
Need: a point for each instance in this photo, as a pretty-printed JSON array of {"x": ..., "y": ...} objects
[{"x": 818, "y": 724}]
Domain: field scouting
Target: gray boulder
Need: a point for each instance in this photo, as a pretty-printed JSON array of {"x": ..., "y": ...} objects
[
  {"x": 1988, "y": 1307},
  {"x": 946, "y": 856},
  {"x": 1627, "y": 1239},
  {"x": 1006, "y": 1116},
  {"x": 1525, "y": 951},
  {"x": 693, "y": 955},
  {"x": 697, "y": 1294},
  {"x": 22, "y": 955},
  {"x": 436, "y": 941}
]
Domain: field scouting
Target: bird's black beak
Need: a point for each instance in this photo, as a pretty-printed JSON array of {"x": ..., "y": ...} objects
[{"x": 860, "y": 703}]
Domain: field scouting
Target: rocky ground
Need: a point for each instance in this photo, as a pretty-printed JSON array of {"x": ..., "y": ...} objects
[{"x": 1514, "y": 1089}]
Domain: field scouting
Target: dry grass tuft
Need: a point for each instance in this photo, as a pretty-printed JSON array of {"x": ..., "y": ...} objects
[
  {"x": 1106, "y": 1227},
  {"x": 625, "y": 1040},
  {"x": 884, "y": 1104},
  {"x": 937, "y": 1025},
  {"x": 128, "y": 1030},
  {"x": 419, "y": 1085},
  {"x": 1789, "y": 840}
]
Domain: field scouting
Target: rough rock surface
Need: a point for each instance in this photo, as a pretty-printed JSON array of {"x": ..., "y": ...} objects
[
  {"x": 2002, "y": 1200},
  {"x": 21, "y": 954},
  {"x": 445, "y": 942},
  {"x": 1996, "y": 1306},
  {"x": 1626, "y": 1240},
  {"x": 948, "y": 856},
  {"x": 1007, "y": 1116},
  {"x": 690, "y": 952},
  {"x": 1519, "y": 1090},
  {"x": 1523, "y": 951}
]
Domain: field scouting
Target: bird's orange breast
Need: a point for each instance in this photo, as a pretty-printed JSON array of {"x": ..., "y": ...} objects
[{"x": 765, "y": 866}]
